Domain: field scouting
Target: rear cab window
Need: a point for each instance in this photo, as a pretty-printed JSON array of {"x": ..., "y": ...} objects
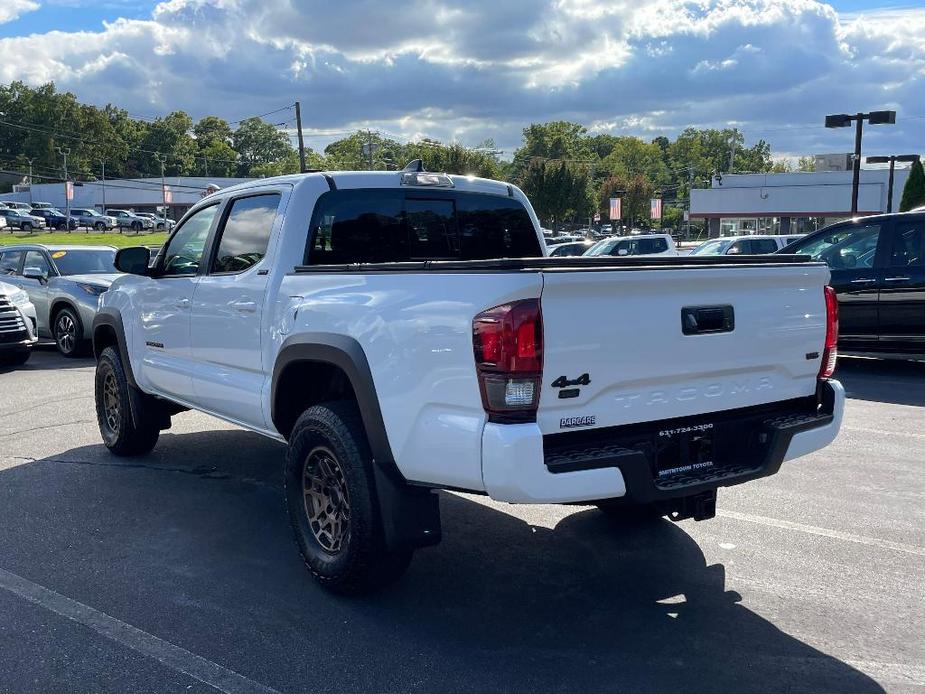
[{"x": 387, "y": 225}]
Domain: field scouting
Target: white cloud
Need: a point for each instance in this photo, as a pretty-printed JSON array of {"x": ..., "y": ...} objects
[
  {"x": 12, "y": 9},
  {"x": 486, "y": 68}
]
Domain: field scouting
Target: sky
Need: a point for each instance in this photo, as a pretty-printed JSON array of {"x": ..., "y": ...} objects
[{"x": 477, "y": 69}]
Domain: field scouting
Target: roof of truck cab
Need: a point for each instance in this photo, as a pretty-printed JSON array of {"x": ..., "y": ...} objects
[{"x": 371, "y": 179}]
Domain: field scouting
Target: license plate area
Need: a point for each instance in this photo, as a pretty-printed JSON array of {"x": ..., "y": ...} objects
[{"x": 684, "y": 450}]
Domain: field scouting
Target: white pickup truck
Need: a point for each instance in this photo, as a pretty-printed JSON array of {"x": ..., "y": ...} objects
[{"x": 402, "y": 333}]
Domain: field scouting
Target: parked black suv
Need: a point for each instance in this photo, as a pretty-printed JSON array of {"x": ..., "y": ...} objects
[
  {"x": 878, "y": 271},
  {"x": 55, "y": 219}
]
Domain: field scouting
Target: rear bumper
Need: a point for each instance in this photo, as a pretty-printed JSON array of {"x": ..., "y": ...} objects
[{"x": 519, "y": 467}]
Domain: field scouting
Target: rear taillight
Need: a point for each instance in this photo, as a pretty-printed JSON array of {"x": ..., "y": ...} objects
[
  {"x": 508, "y": 345},
  {"x": 830, "y": 350}
]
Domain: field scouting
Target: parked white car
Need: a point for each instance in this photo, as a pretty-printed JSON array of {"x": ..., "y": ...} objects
[
  {"x": 18, "y": 331},
  {"x": 400, "y": 333},
  {"x": 745, "y": 245},
  {"x": 641, "y": 244}
]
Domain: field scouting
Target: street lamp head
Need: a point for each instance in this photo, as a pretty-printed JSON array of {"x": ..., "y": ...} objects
[
  {"x": 882, "y": 117},
  {"x": 908, "y": 157},
  {"x": 878, "y": 160},
  {"x": 838, "y": 120}
]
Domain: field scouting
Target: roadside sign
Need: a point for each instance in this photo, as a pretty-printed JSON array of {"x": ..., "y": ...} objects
[{"x": 597, "y": 217}]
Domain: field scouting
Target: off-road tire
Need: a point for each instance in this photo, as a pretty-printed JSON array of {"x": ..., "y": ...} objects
[
  {"x": 123, "y": 433},
  {"x": 362, "y": 563}
]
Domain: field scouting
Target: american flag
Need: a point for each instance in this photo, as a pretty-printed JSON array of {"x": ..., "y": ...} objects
[
  {"x": 615, "y": 208},
  {"x": 656, "y": 208}
]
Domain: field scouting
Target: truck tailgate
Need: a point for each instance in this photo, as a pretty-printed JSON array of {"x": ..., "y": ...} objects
[{"x": 616, "y": 351}]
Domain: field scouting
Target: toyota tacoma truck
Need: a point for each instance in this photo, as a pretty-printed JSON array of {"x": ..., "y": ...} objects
[{"x": 402, "y": 333}]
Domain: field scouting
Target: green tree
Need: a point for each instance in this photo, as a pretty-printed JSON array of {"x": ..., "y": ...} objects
[
  {"x": 914, "y": 190},
  {"x": 257, "y": 142},
  {"x": 636, "y": 192},
  {"x": 558, "y": 190},
  {"x": 169, "y": 136}
]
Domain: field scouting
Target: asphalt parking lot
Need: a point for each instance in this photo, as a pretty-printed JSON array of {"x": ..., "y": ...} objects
[{"x": 178, "y": 572}]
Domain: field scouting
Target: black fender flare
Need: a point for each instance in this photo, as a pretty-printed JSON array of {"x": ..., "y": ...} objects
[
  {"x": 345, "y": 353},
  {"x": 410, "y": 514},
  {"x": 109, "y": 317}
]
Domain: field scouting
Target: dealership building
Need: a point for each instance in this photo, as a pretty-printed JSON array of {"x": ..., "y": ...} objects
[
  {"x": 136, "y": 194},
  {"x": 790, "y": 203}
]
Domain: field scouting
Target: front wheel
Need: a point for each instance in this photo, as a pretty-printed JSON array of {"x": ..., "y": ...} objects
[
  {"x": 136, "y": 226},
  {"x": 128, "y": 420},
  {"x": 331, "y": 498},
  {"x": 99, "y": 226},
  {"x": 26, "y": 226},
  {"x": 68, "y": 333}
]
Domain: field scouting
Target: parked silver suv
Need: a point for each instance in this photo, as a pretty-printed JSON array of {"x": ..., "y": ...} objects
[
  {"x": 130, "y": 220},
  {"x": 64, "y": 284},
  {"x": 91, "y": 219}
]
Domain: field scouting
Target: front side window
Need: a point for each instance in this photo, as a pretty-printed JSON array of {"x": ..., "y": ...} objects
[
  {"x": 845, "y": 248},
  {"x": 909, "y": 245},
  {"x": 763, "y": 246},
  {"x": 9, "y": 263},
  {"x": 246, "y": 233},
  {"x": 36, "y": 260},
  {"x": 183, "y": 252},
  {"x": 710, "y": 248}
]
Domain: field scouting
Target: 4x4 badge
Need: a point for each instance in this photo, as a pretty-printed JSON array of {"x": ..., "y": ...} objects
[{"x": 564, "y": 382}]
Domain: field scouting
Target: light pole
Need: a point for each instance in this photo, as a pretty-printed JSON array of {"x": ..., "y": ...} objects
[
  {"x": 103, "y": 164},
  {"x": 30, "y": 178},
  {"x": 64, "y": 151},
  {"x": 162, "y": 158},
  {"x": 843, "y": 120},
  {"x": 892, "y": 160}
]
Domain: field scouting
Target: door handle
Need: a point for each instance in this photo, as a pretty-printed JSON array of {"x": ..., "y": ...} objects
[
  {"x": 863, "y": 280},
  {"x": 245, "y": 306},
  {"x": 183, "y": 303},
  {"x": 896, "y": 279}
]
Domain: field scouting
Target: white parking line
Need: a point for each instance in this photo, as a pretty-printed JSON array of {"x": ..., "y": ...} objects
[
  {"x": 172, "y": 656},
  {"x": 823, "y": 532}
]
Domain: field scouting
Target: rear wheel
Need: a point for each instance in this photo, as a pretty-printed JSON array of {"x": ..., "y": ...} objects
[
  {"x": 68, "y": 333},
  {"x": 136, "y": 226},
  {"x": 26, "y": 226},
  {"x": 331, "y": 498},
  {"x": 129, "y": 421},
  {"x": 99, "y": 226}
]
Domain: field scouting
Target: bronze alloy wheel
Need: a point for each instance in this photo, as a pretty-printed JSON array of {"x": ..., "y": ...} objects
[
  {"x": 327, "y": 501},
  {"x": 111, "y": 402}
]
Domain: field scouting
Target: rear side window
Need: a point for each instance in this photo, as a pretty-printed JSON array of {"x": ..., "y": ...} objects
[
  {"x": 246, "y": 233},
  {"x": 909, "y": 245},
  {"x": 763, "y": 246},
  {"x": 9, "y": 263},
  {"x": 380, "y": 226},
  {"x": 647, "y": 246}
]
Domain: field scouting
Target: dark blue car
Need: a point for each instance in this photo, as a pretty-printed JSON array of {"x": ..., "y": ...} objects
[{"x": 55, "y": 219}]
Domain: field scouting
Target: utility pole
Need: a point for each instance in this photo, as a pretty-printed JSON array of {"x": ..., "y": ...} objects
[
  {"x": 732, "y": 150},
  {"x": 369, "y": 147},
  {"x": 64, "y": 151},
  {"x": 30, "y": 178},
  {"x": 103, "y": 164},
  {"x": 298, "y": 125},
  {"x": 690, "y": 187},
  {"x": 843, "y": 120},
  {"x": 162, "y": 158}
]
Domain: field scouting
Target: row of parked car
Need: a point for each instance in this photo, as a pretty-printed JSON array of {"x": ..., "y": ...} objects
[
  {"x": 663, "y": 244},
  {"x": 877, "y": 269},
  {"x": 42, "y": 215}
]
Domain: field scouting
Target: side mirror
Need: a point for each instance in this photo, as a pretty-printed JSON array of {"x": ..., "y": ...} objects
[
  {"x": 34, "y": 273},
  {"x": 134, "y": 260}
]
